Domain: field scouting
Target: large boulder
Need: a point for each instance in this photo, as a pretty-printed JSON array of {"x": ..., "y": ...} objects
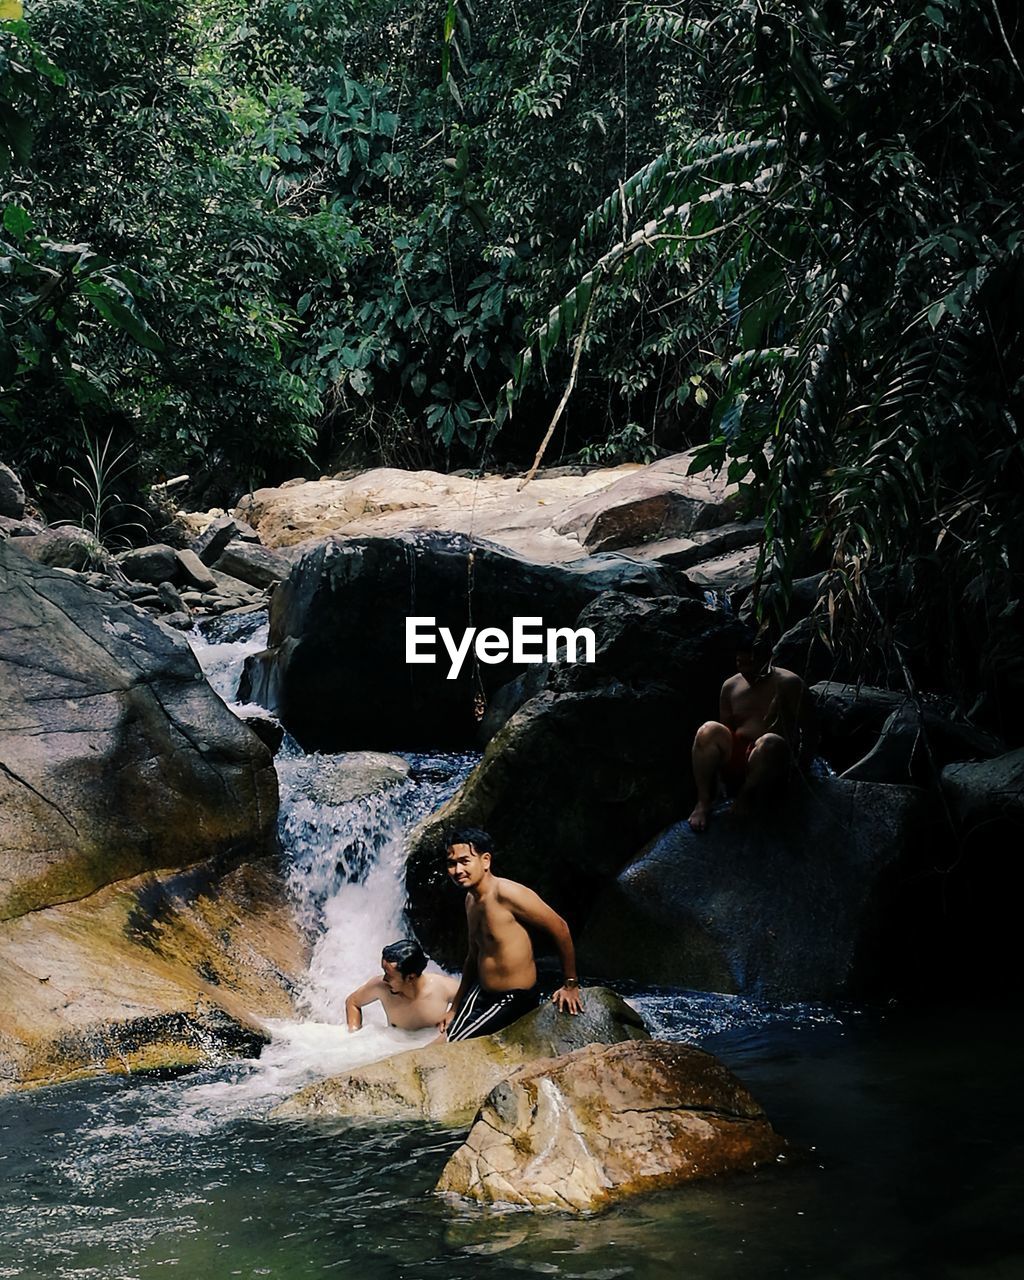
[
  {"x": 161, "y": 972},
  {"x": 988, "y": 795},
  {"x": 604, "y": 1123},
  {"x": 335, "y": 670},
  {"x": 387, "y": 501},
  {"x": 255, "y": 565},
  {"x": 882, "y": 735},
  {"x": 447, "y": 1083},
  {"x": 588, "y": 770},
  {"x": 65, "y": 546},
  {"x": 787, "y": 903},
  {"x": 117, "y": 757},
  {"x": 12, "y": 494},
  {"x": 661, "y": 501}
]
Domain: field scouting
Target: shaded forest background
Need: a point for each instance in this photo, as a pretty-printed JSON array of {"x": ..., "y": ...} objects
[{"x": 246, "y": 241}]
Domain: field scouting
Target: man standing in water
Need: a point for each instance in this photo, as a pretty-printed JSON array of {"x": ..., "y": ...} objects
[
  {"x": 499, "y": 979},
  {"x": 411, "y": 998},
  {"x": 765, "y": 722}
]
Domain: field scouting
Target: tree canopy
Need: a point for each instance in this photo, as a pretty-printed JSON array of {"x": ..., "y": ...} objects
[{"x": 250, "y": 239}]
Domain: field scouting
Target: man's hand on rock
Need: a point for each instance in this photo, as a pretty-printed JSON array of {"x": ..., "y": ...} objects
[{"x": 568, "y": 999}]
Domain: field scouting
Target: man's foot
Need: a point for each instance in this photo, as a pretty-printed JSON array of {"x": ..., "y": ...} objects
[{"x": 698, "y": 820}]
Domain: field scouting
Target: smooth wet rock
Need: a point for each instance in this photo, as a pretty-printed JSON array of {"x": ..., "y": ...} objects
[
  {"x": 787, "y": 903},
  {"x": 118, "y": 757},
  {"x": 606, "y": 1123},
  {"x": 165, "y": 971},
  {"x": 447, "y": 1083},
  {"x": 335, "y": 668}
]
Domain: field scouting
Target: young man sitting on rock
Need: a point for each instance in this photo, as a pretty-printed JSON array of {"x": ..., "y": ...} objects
[
  {"x": 411, "y": 998},
  {"x": 499, "y": 979},
  {"x": 765, "y": 721}
]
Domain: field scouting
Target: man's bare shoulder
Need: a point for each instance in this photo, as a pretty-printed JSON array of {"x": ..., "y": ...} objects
[
  {"x": 442, "y": 983},
  {"x": 787, "y": 679},
  {"x": 510, "y": 890},
  {"x": 733, "y": 683}
]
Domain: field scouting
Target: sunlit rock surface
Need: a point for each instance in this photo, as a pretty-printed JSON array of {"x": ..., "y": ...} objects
[
  {"x": 447, "y": 1082},
  {"x": 163, "y": 971},
  {"x": 604, "y": 1123}
]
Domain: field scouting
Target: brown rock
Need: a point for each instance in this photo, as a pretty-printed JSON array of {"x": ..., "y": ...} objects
[
  {"x": 448, "y": 1082},
  {"x": 605, "y": 1123},
  {"x": 661, "y": 501},
  {"x": 162, "y": 971}
]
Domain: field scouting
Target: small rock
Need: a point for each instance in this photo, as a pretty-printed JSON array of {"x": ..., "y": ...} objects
[
  {"x": 194, "y": 572},
  {"x": 168, "y": 593},
  {"x": 155, "y": 564},
  {"x": 180, "y": 621},
  {"x": 253, "y": 564}
]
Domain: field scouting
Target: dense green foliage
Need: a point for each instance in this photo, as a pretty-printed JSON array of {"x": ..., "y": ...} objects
[{"x": 253, "y": 238}]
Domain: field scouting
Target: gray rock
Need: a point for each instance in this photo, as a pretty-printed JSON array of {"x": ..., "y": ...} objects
[
  {"x": 194, "y": 572},
  {"x": 335, "y": 668},
  {"x": 118, "y": 757},
  {"x": 12, "y": 528},
  {"x": 180, "y": 621},
  {"x": 171, "y": 597},
  {"x": 258, "y": 566},
  {"x": 777, "y": 905},
  {"x": 12, "y": 494},
  {"x": 210, "y": 544},
  {"x": 988, "y": 795},
  {"x": 64, "y": 546},
  {"x": 155, "y": 564}
]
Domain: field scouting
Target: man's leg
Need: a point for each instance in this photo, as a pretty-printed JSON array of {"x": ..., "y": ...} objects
[
  {"x": 711, "y": 749},
  {"x": 767, "y": 769}
]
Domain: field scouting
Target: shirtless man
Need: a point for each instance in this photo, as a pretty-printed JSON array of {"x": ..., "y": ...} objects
[
  {"x": 411, "y": 998},
  {"x": 499, "y": 979},
  {"x": 764, "y": 721}
]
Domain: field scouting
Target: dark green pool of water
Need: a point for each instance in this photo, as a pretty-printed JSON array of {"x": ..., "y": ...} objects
[{"x": 914, "y": 1167}]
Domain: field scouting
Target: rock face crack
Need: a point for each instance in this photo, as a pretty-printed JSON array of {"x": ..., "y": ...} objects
[{"x": 45, "y": 799}]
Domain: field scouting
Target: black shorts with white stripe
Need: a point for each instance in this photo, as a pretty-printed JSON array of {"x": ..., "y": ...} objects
[{"x": 485, "y": 1011}]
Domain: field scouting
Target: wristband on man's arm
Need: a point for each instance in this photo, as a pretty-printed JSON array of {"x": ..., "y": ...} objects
[{"x": 570, "y": 982}]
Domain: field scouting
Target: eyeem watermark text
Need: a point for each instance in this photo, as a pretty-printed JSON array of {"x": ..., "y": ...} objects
[{"x": 530, "y": 642}]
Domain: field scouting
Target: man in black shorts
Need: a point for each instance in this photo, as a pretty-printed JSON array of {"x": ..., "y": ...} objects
[{"x": 499, "y": 978}]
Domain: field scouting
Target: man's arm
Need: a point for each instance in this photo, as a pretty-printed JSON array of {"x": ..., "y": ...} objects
[
  {"x": 530, "y": 908},
  {"x": 364, "y": 995}
]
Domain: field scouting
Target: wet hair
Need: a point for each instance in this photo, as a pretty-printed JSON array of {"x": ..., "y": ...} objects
[
  {"x": 407, "y": 957},
  {"x": 480, "y": 840}
]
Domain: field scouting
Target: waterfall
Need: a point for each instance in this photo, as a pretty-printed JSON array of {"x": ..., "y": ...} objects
[{"x": 345, "y": 862}]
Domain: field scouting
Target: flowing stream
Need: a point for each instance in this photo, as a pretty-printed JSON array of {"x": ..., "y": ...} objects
[{"x": 905, "y": 1159}]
